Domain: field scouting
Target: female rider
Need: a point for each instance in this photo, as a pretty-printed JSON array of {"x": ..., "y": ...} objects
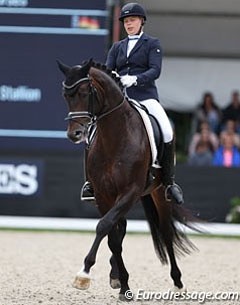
[{"x": 137, "y": 59}]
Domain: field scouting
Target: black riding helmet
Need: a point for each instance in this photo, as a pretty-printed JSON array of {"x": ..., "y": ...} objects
[{"x": 132, "y": 9}]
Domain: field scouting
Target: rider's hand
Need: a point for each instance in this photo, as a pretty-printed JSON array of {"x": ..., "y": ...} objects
[{"x": 129, "y": 80}]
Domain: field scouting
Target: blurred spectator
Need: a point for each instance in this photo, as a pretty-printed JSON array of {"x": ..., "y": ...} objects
[
  {"x": 208, "y": 111},
  {"x": 232, "y": 111},
  {"x": 230, "y": 128},
  {"x": 203, "y": 134},
  {"x": 202, "y": 156},
  {"x": 227, "y": 154}
]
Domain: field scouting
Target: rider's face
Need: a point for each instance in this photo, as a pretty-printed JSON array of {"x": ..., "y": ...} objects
[{"x": 132, "y": 24}]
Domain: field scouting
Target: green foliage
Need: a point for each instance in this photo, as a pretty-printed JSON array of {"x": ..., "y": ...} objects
[
  {"x": 181, "y": 123},
  {"x": 235, "y": 201},
  {"x": 234, "y": 214}
]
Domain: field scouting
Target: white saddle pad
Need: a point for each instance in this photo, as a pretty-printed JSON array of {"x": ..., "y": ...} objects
[{"x": 149, "y": 130}]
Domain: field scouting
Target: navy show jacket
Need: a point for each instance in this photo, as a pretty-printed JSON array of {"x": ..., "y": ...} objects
[{"x": 144, "y": 61}]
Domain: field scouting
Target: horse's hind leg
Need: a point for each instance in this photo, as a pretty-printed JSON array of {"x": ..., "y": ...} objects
[
  {"x": 175, "y": 271},
  {"x": 168, "y": 238},
  {"x": 166, "y": 233},
  {"x": 114, "y": 273}
]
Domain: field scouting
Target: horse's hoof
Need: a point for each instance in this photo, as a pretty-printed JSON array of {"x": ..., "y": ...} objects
[
  {"x": 115, "y": 283},
  {"x": 126, "y": 297},
  {"x": 82, "y": 281},
  {"x": 123, "y": 298},
  {"x": 179, "y": 290}
]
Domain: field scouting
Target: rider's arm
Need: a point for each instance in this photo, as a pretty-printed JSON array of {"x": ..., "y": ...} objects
[
  {"x": 154, "y": 63},
  {"x": 111, "y": 58}
]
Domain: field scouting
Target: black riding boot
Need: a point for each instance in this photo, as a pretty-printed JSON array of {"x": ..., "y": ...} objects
[
  {"x": 173, "y": 191},
  {"x": 87, "y": 192}
]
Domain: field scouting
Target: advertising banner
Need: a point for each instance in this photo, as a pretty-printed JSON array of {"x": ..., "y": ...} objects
[
  {"x": 19, "y": 177},
  {"x": 33, "y": 35}
]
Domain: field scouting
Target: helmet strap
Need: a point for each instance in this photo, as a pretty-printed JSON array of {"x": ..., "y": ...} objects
[
  {"x": 139, "y": 31},
  {"x": 141, "y": 27}
]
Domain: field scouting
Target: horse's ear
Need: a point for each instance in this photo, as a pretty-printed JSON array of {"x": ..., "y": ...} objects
[
  {"x": 90, "y": 62},
  {"x": 64, "y": 68},
  {"x": 86, "y": 67}
]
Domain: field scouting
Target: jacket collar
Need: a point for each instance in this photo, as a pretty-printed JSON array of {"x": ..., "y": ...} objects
[
  {"x": 138, "y": 36},
  {"x": 141, "y": 40}
]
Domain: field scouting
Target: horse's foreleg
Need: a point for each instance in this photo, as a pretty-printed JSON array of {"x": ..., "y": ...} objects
[
  {"x": 105, "y": 225},
  {"x": 116, "y": 247},
  {"x": 114, "y": 273},
  {"x": 82, "y": 280}
]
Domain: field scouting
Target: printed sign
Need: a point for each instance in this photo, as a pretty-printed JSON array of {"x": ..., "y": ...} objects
[{"x": 20, "y": 177}]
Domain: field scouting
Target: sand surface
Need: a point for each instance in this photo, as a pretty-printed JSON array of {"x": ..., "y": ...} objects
[{"x": 39, "y": 268}]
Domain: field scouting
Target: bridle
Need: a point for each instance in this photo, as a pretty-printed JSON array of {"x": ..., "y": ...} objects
[
  {"x": 71, "y": 90},
  {"x": 93, "y": 97}
]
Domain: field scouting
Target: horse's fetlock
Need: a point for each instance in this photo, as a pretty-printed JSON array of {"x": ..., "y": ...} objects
[
  {"x": 89, "y": 262},
  {"x": 124, "y": 277}
]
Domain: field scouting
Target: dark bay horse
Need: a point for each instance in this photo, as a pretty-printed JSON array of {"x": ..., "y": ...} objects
[{"x": 118, "y": 168}]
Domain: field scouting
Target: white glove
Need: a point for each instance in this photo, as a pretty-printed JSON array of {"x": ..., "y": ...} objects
[{"x": 129, "y": 80}]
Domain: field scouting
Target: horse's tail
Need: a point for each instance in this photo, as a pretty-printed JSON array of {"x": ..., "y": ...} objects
[{"x": 163, "y": 227}]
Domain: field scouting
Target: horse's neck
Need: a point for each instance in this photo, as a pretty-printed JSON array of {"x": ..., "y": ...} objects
[
  {"x": 117, "y": 123},
  {"x": 110, "y": 95}
]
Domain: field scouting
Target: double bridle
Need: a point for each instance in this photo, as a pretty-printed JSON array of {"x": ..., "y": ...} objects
[{"x": 93, "y": 97}]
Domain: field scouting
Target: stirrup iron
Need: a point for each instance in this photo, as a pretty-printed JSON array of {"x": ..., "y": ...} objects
[
  {"x": 169, "y": 196},
  {"x": 90, "y": 195}
]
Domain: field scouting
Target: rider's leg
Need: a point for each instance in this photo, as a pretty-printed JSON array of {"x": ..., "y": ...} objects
[
  {"x": 87, "y": 192},
  {"x": 167, "y": 162},
  {"x": 173, "y": 190},
  {"x": 156, "y": 109}
]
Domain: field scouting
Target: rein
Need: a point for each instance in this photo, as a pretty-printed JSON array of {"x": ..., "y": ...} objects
[{"x": 110, "y": 111}]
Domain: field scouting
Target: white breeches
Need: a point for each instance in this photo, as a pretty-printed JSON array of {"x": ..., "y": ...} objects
[{"x": 155, "y": 109}]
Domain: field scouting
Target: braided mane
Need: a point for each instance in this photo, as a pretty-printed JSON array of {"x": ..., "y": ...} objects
[{"x": 112, "y": 74}]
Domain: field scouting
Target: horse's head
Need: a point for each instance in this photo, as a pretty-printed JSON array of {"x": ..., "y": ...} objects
[
  {"x": 79, "y": 95},
  {"x": 91, "y": 94}
]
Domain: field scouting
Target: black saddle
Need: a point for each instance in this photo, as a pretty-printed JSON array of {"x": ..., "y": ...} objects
[{"x": 158, "y": 136}]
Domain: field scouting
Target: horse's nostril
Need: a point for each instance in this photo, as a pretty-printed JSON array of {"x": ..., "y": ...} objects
[{"x": 74, "y": 135}]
